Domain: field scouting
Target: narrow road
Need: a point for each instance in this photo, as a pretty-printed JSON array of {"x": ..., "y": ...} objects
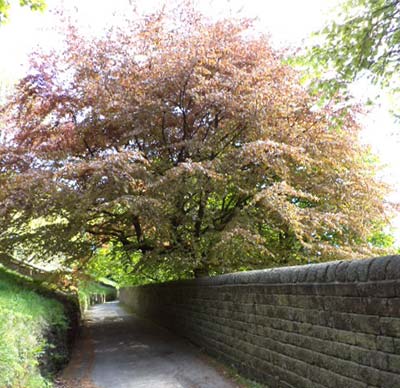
[{"x": 119, "y": 350}]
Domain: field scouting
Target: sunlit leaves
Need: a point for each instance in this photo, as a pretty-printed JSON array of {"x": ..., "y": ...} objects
[
  {"x": 363, "y": 40},
  {"x": 34, "y": 5},
  {"x": 189, "y": 147}
]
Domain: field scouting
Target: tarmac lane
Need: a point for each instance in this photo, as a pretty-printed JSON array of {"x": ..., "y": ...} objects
[{"x": 117, "y": 349}]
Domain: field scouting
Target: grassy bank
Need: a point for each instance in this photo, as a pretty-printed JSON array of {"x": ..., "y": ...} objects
[{"x": 32, "y": 330}]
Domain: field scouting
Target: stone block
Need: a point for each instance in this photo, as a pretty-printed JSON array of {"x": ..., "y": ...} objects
[
  {"x": 331, "y": 271},
  {"x": 390, "y": 326},
  {"x": 377, "y": 269},
  {"x": 341, "y": 272},
  {"x": 393, "y": 268},
  {"x": 385, "y": 344},
  {"x": 393, "y": 363}
]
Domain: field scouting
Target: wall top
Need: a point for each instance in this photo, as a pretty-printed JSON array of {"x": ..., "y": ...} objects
[{"x": 343, "y": 271}]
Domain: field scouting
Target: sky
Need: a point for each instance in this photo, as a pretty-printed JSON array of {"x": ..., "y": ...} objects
[{"x": 289, "y": 23}]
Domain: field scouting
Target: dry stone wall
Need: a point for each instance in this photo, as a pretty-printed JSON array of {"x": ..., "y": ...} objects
[{"x": 334, "y": 325}]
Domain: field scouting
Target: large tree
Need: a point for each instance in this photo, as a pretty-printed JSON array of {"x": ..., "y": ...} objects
[{"x": 187, "y": 140}]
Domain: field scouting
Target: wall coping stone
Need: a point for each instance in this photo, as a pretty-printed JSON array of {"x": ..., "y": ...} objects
[{"x": 343, "y": 271}]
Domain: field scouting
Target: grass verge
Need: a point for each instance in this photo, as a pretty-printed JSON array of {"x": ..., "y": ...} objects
[
  {"x": 230, "y": 372},
  {"x": 31, "y": 328}
]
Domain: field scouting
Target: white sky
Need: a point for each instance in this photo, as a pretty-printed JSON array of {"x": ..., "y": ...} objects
[{"x": 288, "y": 22}]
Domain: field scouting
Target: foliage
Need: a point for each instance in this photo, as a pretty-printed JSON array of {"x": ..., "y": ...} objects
[
  {"x": 34, "y": 5},
  {"x": 363, "y": 39},
  {"x": 89, "y": 289},
  {"x": 25, "y": 317},
  {"x": 187, "y": 140},
  {"x": 113, "y": 262},
  {"x": 382, "y": 238}
]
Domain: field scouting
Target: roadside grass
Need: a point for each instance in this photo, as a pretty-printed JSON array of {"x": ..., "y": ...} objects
[
  {"x": 242, "y": 382},
  {"x": 230, "y": 372},
  {"x": 26, "y": 319}
]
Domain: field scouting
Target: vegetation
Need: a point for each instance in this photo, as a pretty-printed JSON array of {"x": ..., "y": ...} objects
[
  {"x": 232, "y": 373},
  {"x": 90, "y": 292},
  {"x": 177, "y": 146},
  {"x": 362, "y": 40},
  {"x": 26, "y": 319},
  {"x": 184, "y": 153},
  {"x": 5, "y": 6},
  {"x": 112, "y": 263}
]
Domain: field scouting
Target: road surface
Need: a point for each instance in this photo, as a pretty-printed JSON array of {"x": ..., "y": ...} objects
[{"x": 117, "y": 349}]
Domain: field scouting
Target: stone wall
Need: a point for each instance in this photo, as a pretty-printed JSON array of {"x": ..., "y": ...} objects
[{"x": 326, "y": 325}]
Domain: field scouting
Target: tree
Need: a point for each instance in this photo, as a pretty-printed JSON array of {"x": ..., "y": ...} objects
[
  {"x": 363, "y": 40},
  {"x": 186, "y": 140},
  {"x": 34, "y": 5}
]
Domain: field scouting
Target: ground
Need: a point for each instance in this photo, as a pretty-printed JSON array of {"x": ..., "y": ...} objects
[{"x": 117, "y": 349}]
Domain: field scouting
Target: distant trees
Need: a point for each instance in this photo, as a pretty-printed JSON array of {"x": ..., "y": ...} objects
[{"x": 189, "y": 141}]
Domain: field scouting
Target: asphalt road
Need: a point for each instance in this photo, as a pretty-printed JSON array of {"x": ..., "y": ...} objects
[{"x": 119, "y": 350}]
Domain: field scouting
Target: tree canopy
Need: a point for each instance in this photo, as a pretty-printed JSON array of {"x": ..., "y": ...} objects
[
  {"x": 188, "y": 146},
  {"x": 363, "y": 39}
]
